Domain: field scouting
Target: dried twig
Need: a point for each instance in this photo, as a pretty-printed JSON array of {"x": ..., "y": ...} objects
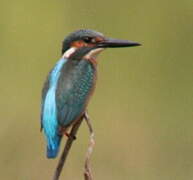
[
  {"x": 87, "y": 170},
  {"x": 66, "y": 149}
]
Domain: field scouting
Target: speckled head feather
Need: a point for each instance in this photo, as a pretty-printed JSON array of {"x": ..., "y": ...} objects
[{"x": 79, "y": 35}]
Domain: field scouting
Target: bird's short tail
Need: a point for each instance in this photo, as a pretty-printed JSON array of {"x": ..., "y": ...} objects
[{"x": 53, "y": 149}]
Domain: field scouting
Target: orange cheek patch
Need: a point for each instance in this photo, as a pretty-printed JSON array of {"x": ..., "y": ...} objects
[
  {"x": 90, "y": 45},
  {"x": 99, "y": 39},
  {"x": 78, "y": 44}
]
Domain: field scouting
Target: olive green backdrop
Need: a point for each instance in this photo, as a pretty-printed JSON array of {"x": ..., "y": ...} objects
[{"x": 142, "y": 107}]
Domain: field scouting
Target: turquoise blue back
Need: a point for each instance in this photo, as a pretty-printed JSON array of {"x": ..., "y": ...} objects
[{"x": 49, "y": 114}]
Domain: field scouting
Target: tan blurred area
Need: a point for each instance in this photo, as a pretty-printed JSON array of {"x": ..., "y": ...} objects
[{"x": 142, "y": 107}]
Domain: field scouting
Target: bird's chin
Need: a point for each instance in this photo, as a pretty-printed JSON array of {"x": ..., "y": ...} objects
[{"x": 93, "y": 53}]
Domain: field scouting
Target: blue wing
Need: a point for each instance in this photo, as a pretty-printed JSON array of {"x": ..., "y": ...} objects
[
  {"x": 49, "y": 120},
  {"x": 73, "y": 90}
]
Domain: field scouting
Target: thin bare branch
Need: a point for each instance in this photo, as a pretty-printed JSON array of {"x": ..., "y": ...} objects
[
  {"x": 87, "y": 168},
  {"x": 66, "y": 149}
]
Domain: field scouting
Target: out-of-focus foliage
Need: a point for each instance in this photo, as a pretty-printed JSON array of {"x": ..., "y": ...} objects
[{"x": 142, "y": 107}]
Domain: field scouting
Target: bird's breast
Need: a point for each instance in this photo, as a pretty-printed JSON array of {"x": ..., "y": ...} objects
[
  {"x": 74, "y": 87},
  {"x": 77, "y": 79}
]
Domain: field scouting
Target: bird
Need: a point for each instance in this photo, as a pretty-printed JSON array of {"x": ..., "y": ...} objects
[{"x": 71, "y": 82}]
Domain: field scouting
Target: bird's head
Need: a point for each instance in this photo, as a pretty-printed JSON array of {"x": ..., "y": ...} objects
[{"x": 87, "y": 44}]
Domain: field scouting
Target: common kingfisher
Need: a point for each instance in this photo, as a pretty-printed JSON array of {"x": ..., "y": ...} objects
[{"x": 71, "y": 82}]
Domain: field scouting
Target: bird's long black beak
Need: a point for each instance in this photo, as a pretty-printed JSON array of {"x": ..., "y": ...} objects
[{"x": 116, "y": 43}]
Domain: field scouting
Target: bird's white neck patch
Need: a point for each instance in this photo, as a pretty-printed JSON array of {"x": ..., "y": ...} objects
[
  {"x": 69, "y": 52},
  {"x": 93, "y": 53}
]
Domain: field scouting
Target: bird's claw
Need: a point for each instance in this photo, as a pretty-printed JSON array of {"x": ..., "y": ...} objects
[{"x": 69, "y": 136}]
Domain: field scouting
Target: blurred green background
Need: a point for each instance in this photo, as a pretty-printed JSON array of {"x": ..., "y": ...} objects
[{"x": 142, "y": 107}]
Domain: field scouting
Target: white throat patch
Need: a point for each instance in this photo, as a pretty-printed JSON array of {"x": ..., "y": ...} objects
[
  {"x": 93, "y": 53},
  {"x": 69, "y": 52}
]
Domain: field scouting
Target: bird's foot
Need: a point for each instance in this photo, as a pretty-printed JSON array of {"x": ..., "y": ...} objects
[
  {"x": 68, "y": 135},
  {"x": 64, "y": 131}
]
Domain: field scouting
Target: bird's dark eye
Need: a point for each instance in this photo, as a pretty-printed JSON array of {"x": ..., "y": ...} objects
[{"x": 87, "y": 39}]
